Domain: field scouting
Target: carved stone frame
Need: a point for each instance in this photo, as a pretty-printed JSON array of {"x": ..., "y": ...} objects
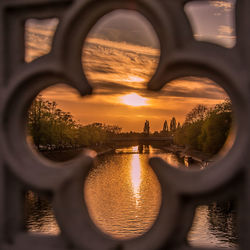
[{"x": 181, "y": 55}]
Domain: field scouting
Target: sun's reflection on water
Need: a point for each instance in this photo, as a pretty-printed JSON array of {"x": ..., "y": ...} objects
[
  {"x": 123, "y": 194},
  {"x": 136, "y": 176},
  {"x": 134, "y": 149}
]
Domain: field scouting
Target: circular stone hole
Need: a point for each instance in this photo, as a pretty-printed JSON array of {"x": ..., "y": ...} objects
[
  {"x": 53, "y": 125},
  {"x": 121, "y": 53}
]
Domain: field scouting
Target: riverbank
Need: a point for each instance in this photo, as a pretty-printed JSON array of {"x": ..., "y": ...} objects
[
  {"x": 69, "y": 154},
  {"x": 191, "y": 158},
  {"x": 102, "y": 149},
  {"x": 190, "y": 155}
]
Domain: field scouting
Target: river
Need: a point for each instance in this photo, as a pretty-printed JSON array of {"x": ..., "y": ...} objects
[{"x": 123, "y": 196}]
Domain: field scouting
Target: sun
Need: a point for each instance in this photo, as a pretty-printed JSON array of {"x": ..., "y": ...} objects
[
  {"x": 134, "y": 79},
  {"x": 134, "y": 100}
]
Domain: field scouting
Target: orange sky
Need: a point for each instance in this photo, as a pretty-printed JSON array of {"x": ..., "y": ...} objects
[{"x": 118, "y": 70}]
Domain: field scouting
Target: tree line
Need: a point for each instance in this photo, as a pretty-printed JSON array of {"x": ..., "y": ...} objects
[
  {"x": 206, "y": 129},
  {"x": 52, "y": 128},
  {"x": 166, "y": 130}
]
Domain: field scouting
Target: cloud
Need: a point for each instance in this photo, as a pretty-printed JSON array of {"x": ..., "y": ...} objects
[
  {"x": 212, "y": 20},
  {"x": 115, "y": 69},
  {"x": 38, "y": 37},
  {"x": 122, "y": 64},
  {"x": 126, "y": 26}
]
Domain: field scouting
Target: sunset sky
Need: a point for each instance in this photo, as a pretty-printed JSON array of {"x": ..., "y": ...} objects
[{"x": 119, "y": 57}]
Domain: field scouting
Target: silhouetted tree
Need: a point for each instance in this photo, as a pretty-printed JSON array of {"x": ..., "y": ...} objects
[
  {"x": 50, "y": 127},
  {"x": 196, "y": 114},
  {"x": 165, "y": 127},
  {"x": 146, "y": 128},
  {"x": 214, "y": 132},
  {"x": 173, "y": 124},
  {"x": 206, "y": 129}
]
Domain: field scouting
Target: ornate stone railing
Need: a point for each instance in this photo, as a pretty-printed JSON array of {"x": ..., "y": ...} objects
[{"x": 181, "y": 55}]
